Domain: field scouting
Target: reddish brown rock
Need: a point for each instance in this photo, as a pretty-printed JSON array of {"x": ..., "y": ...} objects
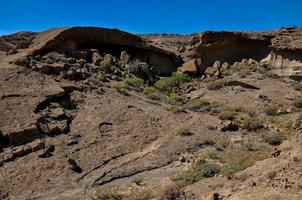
[{"x": 191, "y": 67}]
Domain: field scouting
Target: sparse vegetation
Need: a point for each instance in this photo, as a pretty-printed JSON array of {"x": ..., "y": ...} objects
[
  {"x": 216, "y": 85},
  {"x": 275, "y": 138},
  {"x": 297, "y": 103},
  {"x": 203, "y": 170},
  {"x": 298, "y": 86},
  {"x": 172, "y": 192},
  {"x": 253, "y": 123},
  {"x": 118, "y": 85},
  {"x": 108, "y": 194},
  {"x": 148, "y": 90},
  {"x": 142, "y": 70},
  {"x": 197, "y": 104},
  {"x": 271, "y": 110},
  {"x": 184, "y": 131},
  {"x": 139, "y": 194},
  {"x": 227, "y": 115},
  {"x": 158, "y": 96},
  {"x": 167, "y": 83},
  {"x": 136, "y": 84},
  {"x": 175, "y": 99}
]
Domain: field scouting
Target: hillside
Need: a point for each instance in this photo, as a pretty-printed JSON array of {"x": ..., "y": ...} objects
[{"x": 102, "y": 114}]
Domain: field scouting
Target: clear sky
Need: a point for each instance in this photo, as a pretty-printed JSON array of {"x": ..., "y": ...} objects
[{"x": 150, "y": 16}]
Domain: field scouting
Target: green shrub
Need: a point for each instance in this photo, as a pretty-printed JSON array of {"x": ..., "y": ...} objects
[
  {"x": 184, "y": 131},
  {"x": 158, "y": 96},
  {"x": 172, "y": 192},
  {"x": 227, "y": 115},
  {"x": 204, "y": 170},
  {"x": 139, "y": 194},
  {"x": 141, "y": 70},
  {"x": 149, "y": 90},
  {"x": 216, "y": 85},
  {"x": 118, "y": 85},
  {"x": 175, "y": 99},
  {"x": 108, "y": 194},
  {"x": 297, "y": 103},
  {"x": 234, "y": 166},
  {"x": 197, "y": 104},
  {"x": 298, "y": 86},
  {"x": 176, "y": 80},
  {"x": 253, "y": 123},
  {"x": 275, "y": 138},
  {"x": 209, "y": 170},
  {"x": 271, "y": 110},
  {"x": 136, "y": 84}
]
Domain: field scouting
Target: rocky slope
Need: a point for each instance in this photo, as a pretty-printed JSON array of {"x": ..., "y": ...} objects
[{"x": 87, "y": 114}]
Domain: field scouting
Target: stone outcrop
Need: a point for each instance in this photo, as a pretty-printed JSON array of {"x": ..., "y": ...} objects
[
  {"x": 72, "y": 40},
  {"x": 280, "y": 49},
  {"x": 191, "y": 67}
]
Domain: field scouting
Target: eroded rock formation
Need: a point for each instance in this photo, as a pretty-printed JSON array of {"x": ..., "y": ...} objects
[
  {"x": 281, "y": 49},
  {"x": 71, "y": 41}
]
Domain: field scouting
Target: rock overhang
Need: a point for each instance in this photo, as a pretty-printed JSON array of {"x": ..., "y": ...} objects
[{"x": 68, "y": 40}]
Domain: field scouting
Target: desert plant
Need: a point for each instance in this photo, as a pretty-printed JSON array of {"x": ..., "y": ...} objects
[
  {"x": 172, "y": 192},
  {"x": 158, "y": 96},
  {"x": 209, "y": 170},
  {"x": 149, "y": 90},
  {"x": 298, "y": 86},
  {"x": 136, "y": 84},
  {"x": 107, "y": 194},
  {"x": 252, "y": 123},
  {"x": 175, "y": 99},
  {"x": 141, "y": 70},
  {"x": 271, "y": 110},
  {"x": 203, "y": 170},
  {"x": 118, "y": 85},
  {"x": 197, "y": 104},
  {"x": 216, "y": 85},
  {"x": 167, "y": 83},
  {"x": 184, "y": 131},
  {"x": 297, "y": 103},
  {"x": 275, "y": 138},
  {"x": 55, "y": 57},
  {"x": 139, "y": 194},
  {"x": 227, "y": 115}
]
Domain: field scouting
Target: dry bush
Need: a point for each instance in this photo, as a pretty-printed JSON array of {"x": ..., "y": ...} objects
[{"x": 172, "y": 192}]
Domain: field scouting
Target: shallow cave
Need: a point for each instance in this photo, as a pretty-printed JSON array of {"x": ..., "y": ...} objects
[
  {"x": 234, "y": 51},
  {"x": 163, "y": 63},
  {"x": 4, "y": 141}
]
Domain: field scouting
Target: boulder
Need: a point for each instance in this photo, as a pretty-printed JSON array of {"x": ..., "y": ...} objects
[
  {"x": 225, "y": 65},
  {"x": 54, "y": 127},
  {"x": 195, "y": 40},
  {"x": 96, "y": 57},
  {"x": 107, "y": 63},
  {"x": 125, "y": 57},
  {"x": 191, "y": 67},
  {"x": 216, "y": 65},
  {"x": 210, "y": 72},
  {"x": 229, "y": 126}
]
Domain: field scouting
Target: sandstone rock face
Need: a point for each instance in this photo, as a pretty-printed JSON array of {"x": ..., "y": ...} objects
[
  {"x": 67, "y": 40},
  {"x": 280, "y": 49}
]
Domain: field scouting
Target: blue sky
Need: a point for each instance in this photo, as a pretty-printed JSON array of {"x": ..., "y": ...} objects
[{"x": 150, "y": 16}]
